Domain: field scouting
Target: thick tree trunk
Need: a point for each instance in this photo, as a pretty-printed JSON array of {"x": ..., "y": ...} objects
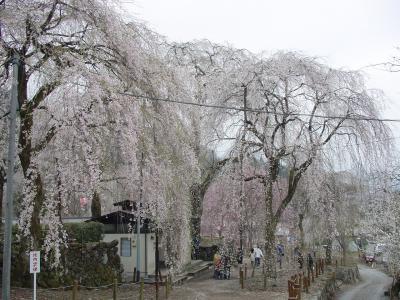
[
  {"x": 344, "y": 248},
  {"x": 96, "y": 205},
  {"x": 197, "y": 210},
  {"x": 250, "y": 241},
  {"x": 269, "y": 247},
  {"x": 270, "y": 229},
  {"x": 301, "y": 230},
  {"x": 36, "y": 230},
  {"x": 198, "y": 191},
  {"x": 26, "y": 152},
  {"x": 2, "y": 183}
]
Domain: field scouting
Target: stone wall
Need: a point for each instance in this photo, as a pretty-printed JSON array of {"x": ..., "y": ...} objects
[
  {"x": 92, "y": 264},
  {"x": 345, "y": 275}
]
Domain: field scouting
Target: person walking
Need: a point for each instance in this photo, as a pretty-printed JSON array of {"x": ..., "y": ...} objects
[
  {"x": 252, "y": 258},
  {"x": 257, "y": 255},
  {"x": 280, "y": 254},
  {"x": 310, "y": 262},
  {"x": 300, "y": 260}
]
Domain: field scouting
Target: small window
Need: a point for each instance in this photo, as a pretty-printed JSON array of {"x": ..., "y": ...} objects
[{"x": 125, "y": 247}]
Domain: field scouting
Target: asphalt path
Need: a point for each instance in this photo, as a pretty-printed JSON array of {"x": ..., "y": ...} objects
[{"x": 372, "y": 286}]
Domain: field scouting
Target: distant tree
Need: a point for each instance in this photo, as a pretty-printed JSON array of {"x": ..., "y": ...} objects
[
  {"x": 96, "y": 205},
  {"x": 295, "y": 106}
]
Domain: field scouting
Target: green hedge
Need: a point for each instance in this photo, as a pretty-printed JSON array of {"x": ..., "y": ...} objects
[{"x": 85, "y": 232}]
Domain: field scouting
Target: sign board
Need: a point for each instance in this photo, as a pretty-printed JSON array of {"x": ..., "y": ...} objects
[{"x": 34, "y": 261}]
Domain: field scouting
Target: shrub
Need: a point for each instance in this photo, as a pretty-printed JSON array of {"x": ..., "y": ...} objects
[{"x": 85, "y": 232}]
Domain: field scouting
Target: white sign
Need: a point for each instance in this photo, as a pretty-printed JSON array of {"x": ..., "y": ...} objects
[{"x": 34, "y": 258}]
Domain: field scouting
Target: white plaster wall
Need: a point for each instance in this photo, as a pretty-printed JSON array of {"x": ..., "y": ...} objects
[{"x": 129, "y": 263}]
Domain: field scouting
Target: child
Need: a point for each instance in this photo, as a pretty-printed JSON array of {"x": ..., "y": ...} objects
[
  {"x": 252, "y": 258},
  {"x": 217, "y": 265}
]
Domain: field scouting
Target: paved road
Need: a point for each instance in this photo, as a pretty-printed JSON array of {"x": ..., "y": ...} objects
[{"x": 372, "y": 286}]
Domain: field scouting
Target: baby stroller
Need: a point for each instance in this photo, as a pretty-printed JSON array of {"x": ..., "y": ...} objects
[{"x": 222, "y": 270}]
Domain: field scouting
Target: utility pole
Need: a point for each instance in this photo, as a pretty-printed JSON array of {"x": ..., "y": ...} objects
[
  {"x": 138, "y": 210},
  {"x": 157, "y": 264},
  {"x": 241, "y": 157},
  {"x": 157, "y": 254},
  {"x": 10, "y": 182}
]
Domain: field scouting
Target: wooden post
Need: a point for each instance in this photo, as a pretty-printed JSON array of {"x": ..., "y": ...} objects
[
  {"x": 297, "y": 291},
  {"x": 322, "y": 265},
  {"x": 141, "y": 291},
  {"x": 157, "y": 287},
  {"x": 301, "y": 282},
  {"x": 265, "y": 281},
  {"x": 245, "y": 271},
  {"x": 291, "y": 290},
  {"x": 308, "y": 284},
  {"x": 75, "y": 290},
  {"x": 115, "y": 286},
  {"x": 166, "y": 287},
  {"x": 241, "y": 279}
]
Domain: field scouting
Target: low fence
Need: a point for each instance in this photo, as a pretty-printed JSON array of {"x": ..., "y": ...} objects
[
  {"x": 301, "y": 282},
  {"x": 243, "y": 274},
  {"x": 115, "y": 291}
]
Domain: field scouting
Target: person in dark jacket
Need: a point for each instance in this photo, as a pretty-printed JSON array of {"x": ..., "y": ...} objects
[
  {"x": 310, "y": 262},
  {"x": 300, "y": 260}
]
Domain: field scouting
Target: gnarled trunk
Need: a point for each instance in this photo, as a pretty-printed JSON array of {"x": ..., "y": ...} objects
[
  {"x": 27, "y": 151},
  {"x": 269, "y": 247},
  {"x": 197, "y": 196},
  {"x": 198, "y": 191},
  {"x": 35, "y": 229},
  {"x": 270, "y": 229}
]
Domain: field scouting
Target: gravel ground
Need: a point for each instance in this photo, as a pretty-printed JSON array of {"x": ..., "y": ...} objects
[
  {"x": 372, "y": 286},
  {"x": 203, "y": 286}
]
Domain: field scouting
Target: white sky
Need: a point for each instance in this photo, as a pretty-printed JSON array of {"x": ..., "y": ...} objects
[{"x": 349, "y": 34}]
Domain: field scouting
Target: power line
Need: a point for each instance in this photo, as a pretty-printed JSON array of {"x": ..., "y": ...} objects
[
  {"x": 249, "y": 109},
  {"x": 4, "y": 115}
]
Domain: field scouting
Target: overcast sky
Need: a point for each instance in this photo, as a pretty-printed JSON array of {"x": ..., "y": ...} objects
[{"x": 349, "y": 34}]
